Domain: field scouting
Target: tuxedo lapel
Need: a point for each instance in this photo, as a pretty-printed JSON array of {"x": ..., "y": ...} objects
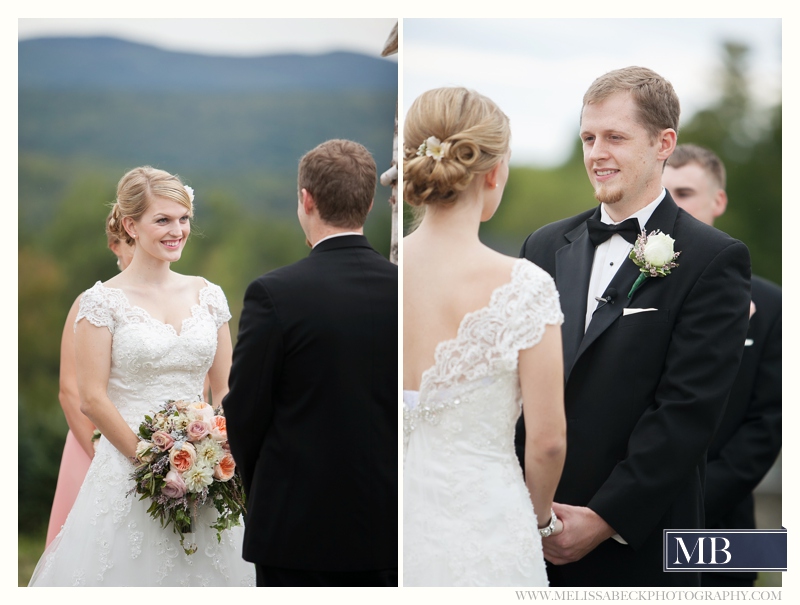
[
  {"x": 573, "y": 270},
  {"x": 663, "y": 218}
]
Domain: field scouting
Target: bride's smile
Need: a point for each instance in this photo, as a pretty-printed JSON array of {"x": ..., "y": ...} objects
[{"x": 162, "y": 230}]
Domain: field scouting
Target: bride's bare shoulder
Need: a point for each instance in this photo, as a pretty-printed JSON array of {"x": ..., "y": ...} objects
[
  {"x": 194, "y": 283},
  {"x": 496, "y": 262}
]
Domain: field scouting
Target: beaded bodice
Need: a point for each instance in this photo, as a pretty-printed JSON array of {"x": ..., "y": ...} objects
[
  {"x": 150, "y": 361},
  {"x": 476, "y": 370}
]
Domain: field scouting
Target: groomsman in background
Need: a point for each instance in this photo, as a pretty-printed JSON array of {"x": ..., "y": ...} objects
[
  {"x": 749, "y": 439},
  {"x": 312, "y": 407}
]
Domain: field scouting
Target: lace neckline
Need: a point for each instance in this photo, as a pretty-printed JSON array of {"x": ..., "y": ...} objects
[
  {"x": 463, "y": 326},
  {"x": 195, "y": 307}
]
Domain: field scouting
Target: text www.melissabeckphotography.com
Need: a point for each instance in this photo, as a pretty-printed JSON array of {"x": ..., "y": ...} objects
[{"x": 648, "y": 595}]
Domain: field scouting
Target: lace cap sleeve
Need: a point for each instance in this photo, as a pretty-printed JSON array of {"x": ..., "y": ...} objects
[
  {"x": 98, "y": 306},
  {"x": 537, "y": 306},
  {"x": 214, "y": 298}
]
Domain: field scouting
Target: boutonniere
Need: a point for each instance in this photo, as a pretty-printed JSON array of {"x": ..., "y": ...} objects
[{"x": 655, "y": 256}]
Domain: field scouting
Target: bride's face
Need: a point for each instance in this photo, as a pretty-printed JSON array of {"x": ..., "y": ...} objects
[{"x": 162, "y": 230}]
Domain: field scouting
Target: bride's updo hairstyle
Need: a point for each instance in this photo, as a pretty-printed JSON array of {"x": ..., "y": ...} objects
[
  {"x": 136, "y": 190},
  {"x": 473, "y": 134}
]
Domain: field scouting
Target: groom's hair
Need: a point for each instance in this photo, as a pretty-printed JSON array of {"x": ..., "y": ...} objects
[
  {"x": 340, "y": 175},
  {"x": 705, "y": 158},
  {"x": 659, "y": 107}
]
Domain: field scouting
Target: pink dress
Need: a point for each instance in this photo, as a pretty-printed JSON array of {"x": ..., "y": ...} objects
[{"x": 74, "y": 464}]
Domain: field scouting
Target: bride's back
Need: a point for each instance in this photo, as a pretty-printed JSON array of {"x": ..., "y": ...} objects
[
  {"x": 455, "y": 167},
  {"x": 439, "y": 288}
]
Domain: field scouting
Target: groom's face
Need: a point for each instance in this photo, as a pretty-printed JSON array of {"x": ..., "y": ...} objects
[{"x": 620, "y": 156}]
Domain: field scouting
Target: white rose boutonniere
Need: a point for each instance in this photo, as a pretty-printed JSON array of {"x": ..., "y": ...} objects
[{"x": 655, "y": 256}]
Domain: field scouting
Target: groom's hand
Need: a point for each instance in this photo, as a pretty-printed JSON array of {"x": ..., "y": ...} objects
[{"x": 583, "y": 530}]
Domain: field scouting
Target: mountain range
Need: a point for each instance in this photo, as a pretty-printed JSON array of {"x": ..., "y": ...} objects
[
  {"x": 111, "y": 64},
  {"x": 92, "y": 108}
]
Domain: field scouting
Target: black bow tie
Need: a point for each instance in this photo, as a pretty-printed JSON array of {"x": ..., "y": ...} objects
[{"x": 600, "y": 232}]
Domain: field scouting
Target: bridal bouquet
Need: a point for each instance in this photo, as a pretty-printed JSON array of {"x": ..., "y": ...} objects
[{"x": 185, "y": 463}]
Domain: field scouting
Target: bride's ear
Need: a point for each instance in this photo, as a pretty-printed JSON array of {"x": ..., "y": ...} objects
[
  {"x": 129, "y": 225},
  {"x": 490, "y": 178}
]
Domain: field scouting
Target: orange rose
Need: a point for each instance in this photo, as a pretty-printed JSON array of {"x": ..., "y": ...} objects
[
  {"x": 224, "y": 470},
  {"x": 182, "y": 459},
  {"x": 219, "y": 428}
]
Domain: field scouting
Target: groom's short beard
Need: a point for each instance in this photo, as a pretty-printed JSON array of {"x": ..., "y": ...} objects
[{"x": 606, "y": 196}]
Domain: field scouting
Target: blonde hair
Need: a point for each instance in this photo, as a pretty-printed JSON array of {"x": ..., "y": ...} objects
[
  {"x": 135, "y": 192},
  {"x": 658, "y": 105},
  {"x": 475, "y": 136},
  {"x": 112, "y": 237}
]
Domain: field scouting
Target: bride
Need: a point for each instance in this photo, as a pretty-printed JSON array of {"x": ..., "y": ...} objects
[
  {"x": 482, "y": 344},
  {"x": 145, "y": 336}
]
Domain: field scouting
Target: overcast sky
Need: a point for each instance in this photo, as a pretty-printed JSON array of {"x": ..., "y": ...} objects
[
  {"x": 537, "y": 70},
  {"x": 238, "y": 37}
]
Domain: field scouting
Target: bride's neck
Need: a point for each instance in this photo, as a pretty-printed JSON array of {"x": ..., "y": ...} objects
[
  {"x": 149, "y": 271},
  {"x": 458, "y": 222}
]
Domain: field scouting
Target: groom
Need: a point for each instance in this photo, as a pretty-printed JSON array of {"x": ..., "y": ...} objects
[
  {"x": 312, "y": 407},
  {"x": 647, "y": 373}
]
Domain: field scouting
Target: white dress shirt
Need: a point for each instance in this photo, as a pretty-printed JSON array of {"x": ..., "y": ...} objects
[
  {"x": 609, "y": 255},
  {"x": 336, "y": 235}
]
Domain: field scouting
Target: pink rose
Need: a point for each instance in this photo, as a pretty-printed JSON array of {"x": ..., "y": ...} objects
[
  {"x": 219, "y": 428},
  {"x": 224, "y": 470},
  {"x": 174, "y": 485},
  {"x": 162, "y": 440},
  {"x": 197, "y": 429},
  {"x": 182, "y": 458},
  {"x": 181, "y": 405}
]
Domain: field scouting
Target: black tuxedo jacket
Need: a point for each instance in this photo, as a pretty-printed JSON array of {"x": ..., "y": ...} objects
[
  {"x": 312, "y": 411},
  {"x": 749, "y": 439},
  {"x": 644, "y": 392}
]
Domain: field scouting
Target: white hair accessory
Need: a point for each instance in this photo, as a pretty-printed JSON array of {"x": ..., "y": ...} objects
[{"x": 434, "y": 148}]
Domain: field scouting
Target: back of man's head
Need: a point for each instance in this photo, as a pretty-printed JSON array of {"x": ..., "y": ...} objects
[{"x": 341, "y": 176}]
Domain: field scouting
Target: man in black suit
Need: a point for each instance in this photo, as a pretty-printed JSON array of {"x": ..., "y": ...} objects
[
  {"x": 312, "y": 407},
  {"x": 647, "y": 372},
  {"x": 749, "y": 439}
]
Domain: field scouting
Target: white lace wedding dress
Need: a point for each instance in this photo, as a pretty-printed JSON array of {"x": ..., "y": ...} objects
[
  {"x": 109, "y": 539},
  {"x": 467, "y": 514}
]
